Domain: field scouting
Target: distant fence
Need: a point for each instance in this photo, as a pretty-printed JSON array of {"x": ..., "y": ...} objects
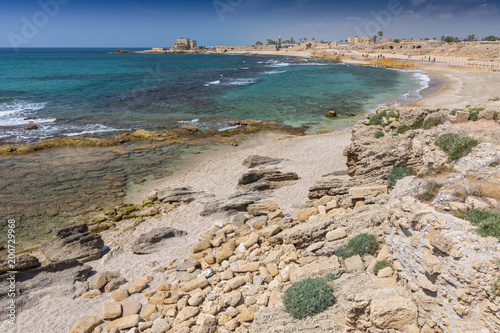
[{"x": 469, "y": 64}]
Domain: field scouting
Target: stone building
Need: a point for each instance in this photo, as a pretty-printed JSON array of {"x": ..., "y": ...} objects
[{"x": 185, "y": 44}]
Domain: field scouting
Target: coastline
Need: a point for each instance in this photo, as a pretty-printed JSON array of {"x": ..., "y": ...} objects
[{"x": 217, "y": 173}]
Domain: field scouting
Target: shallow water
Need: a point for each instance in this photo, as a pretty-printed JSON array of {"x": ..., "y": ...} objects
[{"x": 73, "y": 92}]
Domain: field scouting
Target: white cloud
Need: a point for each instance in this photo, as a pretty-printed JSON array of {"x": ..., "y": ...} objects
[
  {"x": 446, "y": 16},
  {"x": 417, "y": 2}
]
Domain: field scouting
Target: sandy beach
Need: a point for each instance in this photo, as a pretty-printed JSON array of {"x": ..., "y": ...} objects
[{"x": 217, "y": 175}]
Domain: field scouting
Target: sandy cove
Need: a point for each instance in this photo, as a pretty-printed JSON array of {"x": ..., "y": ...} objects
[{"x": 310, "y": 157}]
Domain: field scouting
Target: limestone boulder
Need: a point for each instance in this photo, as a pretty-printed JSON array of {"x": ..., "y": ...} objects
[{"x": 395, "y": 313}]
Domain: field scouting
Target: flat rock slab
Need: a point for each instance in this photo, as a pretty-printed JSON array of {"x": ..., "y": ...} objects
[
  {"x": 73, "y": 242},
  {"x": 153, "y": 241},
  {"x": 253, "y": 161}
]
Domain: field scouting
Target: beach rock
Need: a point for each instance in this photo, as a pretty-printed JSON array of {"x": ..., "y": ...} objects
[
  {"x": 332, "y": 187},
  {"x": 91, "y": 293},
  {"x": 239, "y": 219},
  {"x": 73, "y": 242},
  {"x": 363, "y": 192},
  {"x": 336, "y": 234},
  {"x": 385, "y": 272},
  {"x": 201, "y": 246},
  {"x": 31, "y": 127},
  {"x": 353, "y": 264},
  {"x": 395, "y": 313},
  {"x": 186, "y": 313},
  {"x": 153, "y": 241},
  {"x": 22, "y": 263},
  {"x": 253, "y": 176},
  {"x": 179, "y": 194},
  {"x": 200, "y": 282},
  {"x": 111, "y": 310},
  {"x": 98, "y": 281},
  {"x": 331, "y": 114},
  {"x": 124, "y": 323},
  {"x": 86, "y": 325},
  {"x": 238, "y": 202},
  {"x": 120, "y": 295},
  {"x": 253, "y": 161},
  {"x": 160, "y": 326}
]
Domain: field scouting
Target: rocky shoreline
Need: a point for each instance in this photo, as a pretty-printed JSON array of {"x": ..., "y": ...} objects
[{"x": 439, "y": 272}]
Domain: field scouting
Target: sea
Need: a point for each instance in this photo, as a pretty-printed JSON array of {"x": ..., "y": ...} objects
[{"x": 97, "y": 92}]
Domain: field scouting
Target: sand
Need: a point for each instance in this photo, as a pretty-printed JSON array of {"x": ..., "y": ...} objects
[{"x": 217, "y": 174}]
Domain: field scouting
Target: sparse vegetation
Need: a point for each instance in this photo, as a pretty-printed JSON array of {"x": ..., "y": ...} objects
[
  {"x": 379, "y": 134},
  {"x": 495, "y": 286},
  {"x": 454, "y": 112},
  {"x": 381, "y": 264},
  {"x": 488, "y": 223},
  {"x": 308, "y": 298},
  {"x": 397, "y": 174},
  {"x": 376, "y": 118},
  {"x": 494, "y": 164},
  {"x": 359, "y": 245},
  {"x": 474, "y": 113},
  {"x": 455, "y": 145},
  {"x": 430, "y": 191},
  {"x": 495, "y": 115},
  {"x": 494, "y": 99},
  {"x": 421, "y": 124}
]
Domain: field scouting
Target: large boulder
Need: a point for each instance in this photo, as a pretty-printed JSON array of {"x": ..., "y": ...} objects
[
  {"x": 73, "y": 242},
  {"x": 153, "y": 241},
  {"x": 395, "y": 313}
]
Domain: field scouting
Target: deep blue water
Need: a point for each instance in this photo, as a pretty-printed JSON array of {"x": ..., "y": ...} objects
[{"x": 77, "y": 91}]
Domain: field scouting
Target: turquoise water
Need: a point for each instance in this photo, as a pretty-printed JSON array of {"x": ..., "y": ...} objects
[
  {"x": 92, "y": 91},
  {"x": 70, "y": 92}
]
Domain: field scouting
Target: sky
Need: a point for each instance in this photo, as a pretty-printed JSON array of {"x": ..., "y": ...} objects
[{"x": 155, "y": 23}]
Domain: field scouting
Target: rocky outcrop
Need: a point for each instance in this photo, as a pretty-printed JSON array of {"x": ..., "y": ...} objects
[
  {"x": 20, "y": 263},
  {"x": 445, "y": 265},
  {"x": 73, "y": 242},
  {"x": 59, "y": 279},
  {"x": 260, "y": 180},
  {"x": 406, "y": 142},
  {"x": 153, "y": 241}
]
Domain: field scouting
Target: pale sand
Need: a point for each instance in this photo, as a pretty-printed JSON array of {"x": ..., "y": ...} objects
[
  {"x": 217, "y": 175},
  {"x": 310, "y": 157},
  {"x": 463, "y": 87}
]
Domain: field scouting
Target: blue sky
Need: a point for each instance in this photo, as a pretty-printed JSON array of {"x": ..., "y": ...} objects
[{"x": 152, "y": 23}]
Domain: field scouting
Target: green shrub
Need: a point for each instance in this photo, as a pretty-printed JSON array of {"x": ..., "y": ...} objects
[
  {"x": 454, "y": 112},
  {"x": 494, "y": 164},
  {"x": 488, "y": 223},
  {"x": 397, "y": 174},
  {"x": 474, "y": 115},
  {"x": 495, "y": 287},
  {"x": 379, "y": 134},
  {"x": 430, "y": 123},
  {"x": 494, "y": 99},
  {"x": 376, "y": 118},
  {"x": 380, "y": 265},
  {"x": 359, "y": 245},
  {"x": 308, "y": 298},
  {"x": 431, "y": 190},
  {"x": 402, "y": 129},
  {"x": 495, "y": 115},
  {"x": 455, "y": 145}
]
